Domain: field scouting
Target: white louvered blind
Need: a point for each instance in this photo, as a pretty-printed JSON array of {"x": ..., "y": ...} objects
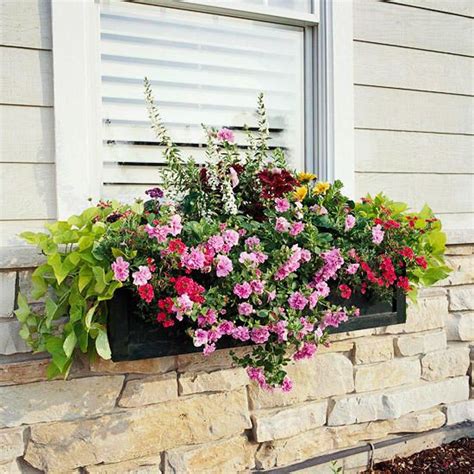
[{"x": 204, "y": 69}]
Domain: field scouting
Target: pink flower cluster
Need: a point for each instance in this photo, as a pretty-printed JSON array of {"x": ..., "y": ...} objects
[
  {"x": 297, "y": 257},
  {"x": 333, "y": 261}
]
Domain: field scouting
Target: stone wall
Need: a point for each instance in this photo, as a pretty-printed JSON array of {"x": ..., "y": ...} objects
[{"x": 194, "y": 414}]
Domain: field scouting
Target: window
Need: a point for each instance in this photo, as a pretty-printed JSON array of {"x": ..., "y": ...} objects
[
  {"x": 207, "y": 60},
  {"x": 204, "y": 68}
]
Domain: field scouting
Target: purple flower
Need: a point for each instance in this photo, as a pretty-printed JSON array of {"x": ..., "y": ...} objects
[
  {"x": 260, "y": 335},
  {"x": 121, "y": 269},
  {"x": 225, "y": 135},
  {"x": 245, "y": 309},
  {"x": 350, "y": 222},
  {"x": 142, "y": 276},
  {"x": 154, "y": 193},
  {"x": 224, "y": 266},
  {"x": 377, "y": 234},
  {"x": 281, "y": 204},
  {"x": 297, "y": 301}
]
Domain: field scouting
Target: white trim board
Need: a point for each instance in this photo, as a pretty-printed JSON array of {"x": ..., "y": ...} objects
[{"x": 76, "y": 56}]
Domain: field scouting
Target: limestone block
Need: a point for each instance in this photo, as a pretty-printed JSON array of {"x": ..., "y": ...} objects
[
  {"x": 422, "y": 343},
  {"x": 285, "y": 422},
  {"x": 460, "y": 326},
  {"x": 323, "y": 376},
  {"x": 12, "y": 444},
  {"x": 58, "y": 400},
  {"x": 461, "y": 298},
  {"x": 218, "y": 381},
  {"x": 387, "y": 374},
  {"x": 138, "y": 432},
  {"x": 159, "y": 365},
  {"x": 450, "y": 362},
  {"x": 227, "y": 456},
  {"x": 218, "y": 360},
  {"x": 394, "y": 403},
  {"x": 153, "y": 389},
  {"x": 427, "y": 314},
  {"x": 32, "y": 370},
  {"x": 10, "y": 340},
  {"x": 463, "y": 270},
  {"x": 291, "y": 450},
  {"x": 373, "y": 349},
  {"x": 7, "y": 293},
  {"x": 460, "y": 412},
  {"x": 146, "y": 465}
]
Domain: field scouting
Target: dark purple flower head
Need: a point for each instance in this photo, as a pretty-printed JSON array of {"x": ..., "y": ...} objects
[{"x": 154, "y": 193}]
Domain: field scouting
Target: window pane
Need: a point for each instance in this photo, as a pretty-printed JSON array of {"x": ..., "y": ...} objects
[
  {"x": 303, "y": 6},
  {"x": 204, "y": 69}
]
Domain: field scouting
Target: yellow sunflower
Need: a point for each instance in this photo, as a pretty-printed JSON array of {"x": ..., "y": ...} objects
[
  {"x": 321, "y": 188},
  {"x": 300, "y": 193},
  {"x": 306, "y": 177}
]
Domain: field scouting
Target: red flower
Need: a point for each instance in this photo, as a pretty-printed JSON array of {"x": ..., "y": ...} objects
[
  {"x": 346, "y": 292},
  {"x": 403, "y": 283},
  {"x": 421, "y": 261},
  {"x": 166, "y": 304},
  {"x": 388, "y": 271},
  {"x": 407, "y": 252},
  {"x": 276, "y": 182},
  {"x": 177, "y": 246},
  {"x": 185, "y": 285},
  {"x": 146, "y": 292},
  {"x": 151, "y": 264},
  {"x": 168, "y": 323}
]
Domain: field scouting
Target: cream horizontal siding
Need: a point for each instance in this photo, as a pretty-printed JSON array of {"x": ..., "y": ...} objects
[
  {"x": 414, "y": 106},
  {"x": 456, "y": 7},
  {"x": 402, "y": 25},
  {"x": 27, "y": 172}
]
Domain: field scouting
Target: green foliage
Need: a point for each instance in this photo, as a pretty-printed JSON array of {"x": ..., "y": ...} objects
[{"x": 75, "y": 284}]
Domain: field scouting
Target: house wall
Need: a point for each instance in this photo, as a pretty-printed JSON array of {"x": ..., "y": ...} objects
[
  {"x": 194, "y": 414},
  {"x": 414, "y": 120}
]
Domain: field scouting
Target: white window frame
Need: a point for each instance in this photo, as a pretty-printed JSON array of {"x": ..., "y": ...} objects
[{"x": 76, "y": 61}]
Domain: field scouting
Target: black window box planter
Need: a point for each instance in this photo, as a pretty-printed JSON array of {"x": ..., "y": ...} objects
[{"x": 132, "y": 338}]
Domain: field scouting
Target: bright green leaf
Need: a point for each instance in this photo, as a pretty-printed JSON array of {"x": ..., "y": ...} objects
[{"x": 102, "y": 345}]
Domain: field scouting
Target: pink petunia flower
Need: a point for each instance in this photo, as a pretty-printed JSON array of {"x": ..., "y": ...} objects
[
  {"x": 245, "y": 309},
  {"x": 231, "y": 237},
  {"x": 175, "y": 225},
  {"x": 296, "y": 228},
  {"x": 287, "y": 384},
  {"x": 243, "y": 290},
  {"x": 352, "y": 268},
  {"x": 121, "y": 269},
  {"x": 252, "y": 242},
  {"x": 224, "y": 266},
  {"x": 241, "y": 333},
  {"x": 216, "y": 242},
  {"x": 377, "y": 234},
  {"x": 350, "y": 222},
  {"x": 200, "y": 337},
  {"x": 141, "y": 276},
  {"x": 281, "y": 204},
  {"x": 260, "y": 335},
  {"x": 297, "y": 301},
  {"x": 257, "y": 286},
  {"x": 194, "y": 260},
  {"x": 281, "y": 224},
  {"x": 225, "y": 135}
]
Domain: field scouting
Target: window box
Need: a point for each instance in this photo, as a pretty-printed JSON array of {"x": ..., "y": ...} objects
[{"x": 132, "y": 338}]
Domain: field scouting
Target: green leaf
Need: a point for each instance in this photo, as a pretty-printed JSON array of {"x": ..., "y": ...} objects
[
  {"x": 101, "y": 282},
  {"x": 85, "y": 242},
  {"x": 102, "y": 345},
  {"x": 85, "y": 277},
  {"x": 89, "y": 315},
  {"x": 70, "y": 343},
  {"x": 54, "y": 345},
  {"x": 23, "y": 310},
  {"x": 52, "y": 371}
]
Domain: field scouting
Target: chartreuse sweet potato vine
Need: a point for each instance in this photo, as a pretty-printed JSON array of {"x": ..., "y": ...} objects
[{"x": 242, "y": 248}]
